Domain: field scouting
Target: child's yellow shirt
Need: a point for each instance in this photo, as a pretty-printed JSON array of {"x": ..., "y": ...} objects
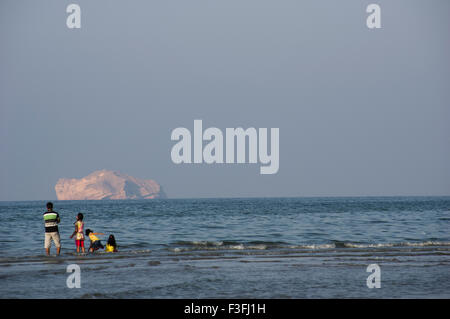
[{"x": 92, "y": 237}]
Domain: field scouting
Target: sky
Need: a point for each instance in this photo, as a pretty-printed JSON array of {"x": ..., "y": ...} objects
[{"x": 361, "y": 112}]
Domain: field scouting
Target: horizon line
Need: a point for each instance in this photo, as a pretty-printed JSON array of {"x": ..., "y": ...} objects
[{"x": 237, "y": 197}]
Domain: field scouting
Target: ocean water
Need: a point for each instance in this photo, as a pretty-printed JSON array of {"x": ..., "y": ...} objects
[{"x": 234, "y": 248}]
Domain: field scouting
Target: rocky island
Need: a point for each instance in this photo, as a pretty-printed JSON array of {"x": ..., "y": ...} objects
[{"x": 106, "y": 184}]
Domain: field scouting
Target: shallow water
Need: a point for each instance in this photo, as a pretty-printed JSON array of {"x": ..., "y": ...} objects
[{"x": 234, "y": 248}]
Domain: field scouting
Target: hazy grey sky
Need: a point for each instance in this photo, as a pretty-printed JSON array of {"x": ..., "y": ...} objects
[{"x": 360, "y": 111}]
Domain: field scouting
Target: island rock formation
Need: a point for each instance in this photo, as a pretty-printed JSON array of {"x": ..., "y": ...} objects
[{"x": 106, "y": 184}]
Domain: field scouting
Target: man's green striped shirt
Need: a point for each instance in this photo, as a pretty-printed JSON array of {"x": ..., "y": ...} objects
[{"x": 51, "y": 220}]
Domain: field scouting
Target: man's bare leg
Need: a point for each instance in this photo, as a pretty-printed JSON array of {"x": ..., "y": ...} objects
[
  {"x": 58, "y": 249},
  {"x": 47, "y": 250}
]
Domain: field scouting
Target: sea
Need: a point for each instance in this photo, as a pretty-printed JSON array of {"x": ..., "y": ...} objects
[{"x": 362, "y": 247}]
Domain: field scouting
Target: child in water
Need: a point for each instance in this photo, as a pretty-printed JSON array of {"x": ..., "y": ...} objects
[
  {"x": 79, "y": 239},
  {"x": 111, "y": 246},
  {"x": 95, "y": 242}
]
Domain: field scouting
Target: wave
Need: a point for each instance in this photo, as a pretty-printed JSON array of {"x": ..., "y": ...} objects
[
  {"x": 224, "y": 245},
  {"x": 402, "y": 244},
  {"x": 228, "y": 247},
  {"x": 186, "y": 246}
]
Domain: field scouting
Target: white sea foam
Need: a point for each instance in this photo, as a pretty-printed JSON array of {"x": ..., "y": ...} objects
[
  {"x": 428, "y": 243},
  {"x": 380, "y": 245},
  {"x": 403, "y": 244},
  {"x": 313, "y": 246},
  {"x": 220, "y": 246},
  {"x": 257, "y": 247}
]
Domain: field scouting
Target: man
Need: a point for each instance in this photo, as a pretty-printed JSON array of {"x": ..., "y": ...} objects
[{"x": 51, "y": 220}]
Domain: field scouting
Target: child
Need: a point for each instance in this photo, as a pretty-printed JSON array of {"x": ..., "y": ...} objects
[
  {"x": 79, "y": 239},
  {"x": 111, "y": 246},
  {"x": 95, "y": 242}
]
